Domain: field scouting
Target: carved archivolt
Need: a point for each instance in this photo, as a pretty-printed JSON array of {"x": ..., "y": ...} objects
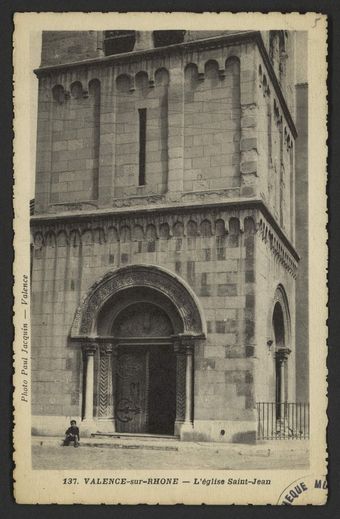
[{"x": 133, "y": 276}]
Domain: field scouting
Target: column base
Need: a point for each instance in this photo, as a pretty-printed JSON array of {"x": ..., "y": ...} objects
[
  {"x": 106, "y": 425},
  {"x": 178, "y": 427},
  {"x": 185, "y": 431},
  {"x": 87, "y": 427}
]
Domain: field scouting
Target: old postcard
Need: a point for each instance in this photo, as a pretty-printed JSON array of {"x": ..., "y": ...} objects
[{"x": 170, "y": 258}]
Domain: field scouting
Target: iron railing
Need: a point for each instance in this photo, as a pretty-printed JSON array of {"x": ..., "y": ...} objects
[{"x": 286, "y": 421}]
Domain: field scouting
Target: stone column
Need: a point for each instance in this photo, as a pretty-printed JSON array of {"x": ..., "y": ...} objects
[
  {"x": 90, "y": 350},
  {"x": 108, "y": 354},
  {"x": 114, "y": 382},
  {"x": 188, "y": 384},
  {"x": 282, "y": 356},
  {"x": 105, "y": 381},
  {"x": 282, "y": 380},
  {"x": 180, "y": 386}
]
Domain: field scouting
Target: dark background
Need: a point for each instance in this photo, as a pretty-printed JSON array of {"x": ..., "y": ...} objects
[{"x": 8, "y": 508}]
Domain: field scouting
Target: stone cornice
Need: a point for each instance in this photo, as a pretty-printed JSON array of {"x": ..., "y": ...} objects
[
  {"x": 211, "y": 42},
  {"x": 91, "y": 218},
  {"x": 215, "y": 41}
]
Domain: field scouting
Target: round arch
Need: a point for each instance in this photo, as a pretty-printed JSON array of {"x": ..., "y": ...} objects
[
  {"x": 162, "y": 281},
  {"x": 279, "y": 326},
  {"x": 280, "y": 332},
  {"x": 279, "y": 311},
  {"x": 138, "y": 326}
]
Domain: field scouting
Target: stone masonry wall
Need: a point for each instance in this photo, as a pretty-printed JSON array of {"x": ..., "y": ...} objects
[
  {"x": 128, "y": 101},
  {"x": 272, "y": 274},
  {"x": 200, "y": 128},
  {"x": 275, "y": 146},
  {"x": 211, "y": 254},
  {"x": 75, "y": 143},
  {"x": 212, "y": 115}
]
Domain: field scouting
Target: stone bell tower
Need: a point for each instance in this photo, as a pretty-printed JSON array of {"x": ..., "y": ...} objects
[{"x": 164, "y": 262}]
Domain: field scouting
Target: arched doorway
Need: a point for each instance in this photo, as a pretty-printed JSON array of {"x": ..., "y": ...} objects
[
  {"x": 138, "y": 327},
  {"x": 146, "y": 370}
]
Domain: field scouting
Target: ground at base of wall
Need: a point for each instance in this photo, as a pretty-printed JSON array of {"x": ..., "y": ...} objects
[{"x": 94, "y": 454}]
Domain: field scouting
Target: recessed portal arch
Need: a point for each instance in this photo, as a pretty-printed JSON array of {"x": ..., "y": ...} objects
[
  {"x": 161, "y": 280},
  {"x": 138, "y": 327}
]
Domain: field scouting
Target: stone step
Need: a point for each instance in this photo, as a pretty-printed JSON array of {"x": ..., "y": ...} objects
[
  {"x": 263, "y": 448},
  {"x": 140, "y": 436},
  {"x": 123, "y": 445}
]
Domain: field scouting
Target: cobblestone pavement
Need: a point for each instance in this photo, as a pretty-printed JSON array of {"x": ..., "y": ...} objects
[{"x": 47, "y": 454}]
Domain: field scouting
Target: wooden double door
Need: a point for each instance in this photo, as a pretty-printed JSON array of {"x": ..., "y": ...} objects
[{"x": 145, "y": 389}]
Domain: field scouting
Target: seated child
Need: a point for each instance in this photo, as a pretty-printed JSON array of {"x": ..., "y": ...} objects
[{"x": 72, "y": 434}]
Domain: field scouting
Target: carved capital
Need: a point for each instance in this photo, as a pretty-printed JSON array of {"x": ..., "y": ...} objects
[
  {"x": 189, "y": 347},
  {"x": 108, "y": 348},
  {"x": 184, "y": 345},
  {"x": 282, "y": 354},
  {"x": 178, "y": 347},
  {"x": 90, "y": 348}
]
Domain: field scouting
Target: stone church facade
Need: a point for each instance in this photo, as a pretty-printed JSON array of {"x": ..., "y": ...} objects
[{"x": 164, "y": 262}]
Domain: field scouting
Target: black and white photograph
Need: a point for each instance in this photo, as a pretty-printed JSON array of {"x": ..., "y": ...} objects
[{"x": 166, "y": 343}]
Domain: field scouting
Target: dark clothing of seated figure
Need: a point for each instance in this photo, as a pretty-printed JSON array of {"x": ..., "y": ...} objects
[{"x": 72, "y": 435}]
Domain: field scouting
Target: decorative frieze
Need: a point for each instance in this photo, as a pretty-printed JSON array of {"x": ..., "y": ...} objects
[
  {"x": 135, "y": 227},
  {"x": 277, "y": 247},
  {"x": 163, "y": 225}
]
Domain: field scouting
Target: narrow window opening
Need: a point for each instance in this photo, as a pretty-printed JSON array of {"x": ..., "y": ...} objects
[{"x": 142, "y": 145}]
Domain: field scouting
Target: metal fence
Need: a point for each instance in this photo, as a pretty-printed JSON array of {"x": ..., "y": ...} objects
[{"x": 286, "y": 421}]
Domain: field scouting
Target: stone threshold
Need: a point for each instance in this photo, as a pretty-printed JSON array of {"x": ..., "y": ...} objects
[{"x": 144, "y": 436}]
